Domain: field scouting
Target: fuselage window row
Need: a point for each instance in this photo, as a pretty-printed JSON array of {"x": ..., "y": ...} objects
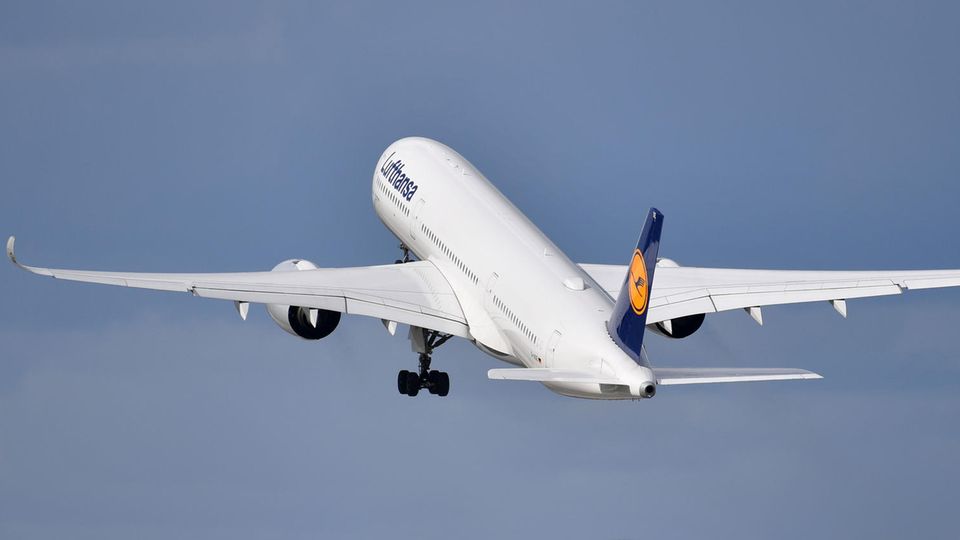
[
  {"x": 393, "y": 197},
  {"x": 456, "y": 260},
  {"x": 513, "y": 318},
  {"x": 449, "y": 253}
]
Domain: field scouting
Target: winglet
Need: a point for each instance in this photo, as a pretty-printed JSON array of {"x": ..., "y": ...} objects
[{"x": 13, "y": 257}]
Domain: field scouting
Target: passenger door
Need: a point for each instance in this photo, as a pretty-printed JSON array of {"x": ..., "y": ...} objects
[
  {"x": 416, "y": 222},
  {"x": 550, "y": 353}
]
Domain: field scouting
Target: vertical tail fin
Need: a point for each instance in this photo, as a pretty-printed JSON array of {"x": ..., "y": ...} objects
[{"x": 629, "y": 315}]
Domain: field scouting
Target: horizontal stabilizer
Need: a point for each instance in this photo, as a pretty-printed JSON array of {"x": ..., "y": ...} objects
[
  {"x": 668, "y": 376},
  {"x": 549, "y": 375}
]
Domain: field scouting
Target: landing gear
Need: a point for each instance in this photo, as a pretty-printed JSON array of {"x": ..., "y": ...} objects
[
  {"x": 439, "y": 383},
  {"x": 408, "y": 383},
  {"x": 406, "y": 255},
  {"x": 436, "y": 382}
]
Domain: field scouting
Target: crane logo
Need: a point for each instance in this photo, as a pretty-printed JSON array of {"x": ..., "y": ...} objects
[{"x": 638, "y": 283}]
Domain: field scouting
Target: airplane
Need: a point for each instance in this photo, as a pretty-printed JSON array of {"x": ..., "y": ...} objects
[{"x": 484, "y": 272}]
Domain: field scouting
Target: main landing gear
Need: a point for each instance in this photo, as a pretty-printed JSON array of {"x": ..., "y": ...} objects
[
  {"x": 437, "y": 382},
  {"x": 406, "y": 255}
]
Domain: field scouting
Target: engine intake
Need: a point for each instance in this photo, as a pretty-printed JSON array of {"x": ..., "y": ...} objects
[
  {"x": 680, "y": 328},
  {"x": 298, "y": 319},
  {"x": 676, "y": 328},
  {"x": 295, "y": 320}
]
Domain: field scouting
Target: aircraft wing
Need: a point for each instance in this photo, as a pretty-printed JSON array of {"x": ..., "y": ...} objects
[
  {"x": 414, "y": 293},
  {"x": 682, "y": 291}
]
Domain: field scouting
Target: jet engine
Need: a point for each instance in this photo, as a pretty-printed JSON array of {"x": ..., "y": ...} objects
[
  {"x": 307, "y": 323},
  {"x": 676, "y": 328}
]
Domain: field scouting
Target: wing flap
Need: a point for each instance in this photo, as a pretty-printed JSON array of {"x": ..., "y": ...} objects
[
  {"x": 931, "y": 283},
  {"x": 673, "y": 376}
]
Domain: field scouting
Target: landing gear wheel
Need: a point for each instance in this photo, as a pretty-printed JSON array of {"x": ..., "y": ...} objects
[
  {"x": 442, "y": 385},
  {"x": 413, "y": 384},
  {"x": 402, "y": 381},
  {"x": 433, "y": 379}
]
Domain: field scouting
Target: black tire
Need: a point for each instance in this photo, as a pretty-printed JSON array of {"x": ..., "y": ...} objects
[
  {"x": 443, "y": 384},
  {"x": 413, "y": 384},
  {"x": 434, "y": 379},
  {"x": 402, "y": 381}
]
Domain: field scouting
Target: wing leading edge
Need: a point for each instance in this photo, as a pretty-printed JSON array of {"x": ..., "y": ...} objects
[{"x": 414, "y": 293}]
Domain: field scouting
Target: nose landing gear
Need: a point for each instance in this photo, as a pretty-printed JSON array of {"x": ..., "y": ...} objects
[{"x": 436, "y": 382}]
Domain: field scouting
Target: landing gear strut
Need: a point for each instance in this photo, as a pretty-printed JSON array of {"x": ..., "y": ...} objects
[
  {"x": 406, "y": 255},
  {"x": 437, "y": 382}
]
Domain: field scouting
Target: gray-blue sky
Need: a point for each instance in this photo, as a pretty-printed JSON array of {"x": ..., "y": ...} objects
[{"x": 228, "y": 136}]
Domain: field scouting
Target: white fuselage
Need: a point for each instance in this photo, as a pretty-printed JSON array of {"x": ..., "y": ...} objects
[{"x": 525, "y": 301}]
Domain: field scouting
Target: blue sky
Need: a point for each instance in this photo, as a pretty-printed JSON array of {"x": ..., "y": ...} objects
[{"x": 194, "y": 136}]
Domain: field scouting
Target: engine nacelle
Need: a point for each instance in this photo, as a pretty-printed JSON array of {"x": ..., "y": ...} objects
[
  {"x": 678, "y": 328},
  {"x": 295, "y": 320}
]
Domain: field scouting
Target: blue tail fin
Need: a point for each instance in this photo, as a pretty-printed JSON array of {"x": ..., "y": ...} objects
[{"x": 629, "y": 316}]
